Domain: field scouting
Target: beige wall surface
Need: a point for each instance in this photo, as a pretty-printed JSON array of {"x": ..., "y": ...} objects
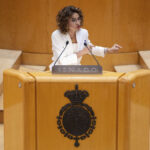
[{"x": 27, "y": 25}]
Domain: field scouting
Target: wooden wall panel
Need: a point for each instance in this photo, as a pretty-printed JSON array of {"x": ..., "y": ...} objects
[
  {"x": 146, "y": 43},
  {"x": 23, "y": 25},
  {"x": 130, "y": 23},
  {"x": 108, "y": 62},
  {"x": 98, "y": 21},
  {"x": 111, "y": 60},
  {"x": 27, "y": 25}
]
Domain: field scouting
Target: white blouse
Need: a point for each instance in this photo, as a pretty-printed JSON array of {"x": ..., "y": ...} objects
[{"x": 75, "y": 50}]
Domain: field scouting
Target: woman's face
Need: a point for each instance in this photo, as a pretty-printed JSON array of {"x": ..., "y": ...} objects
[{"x": 74, "y": 22}]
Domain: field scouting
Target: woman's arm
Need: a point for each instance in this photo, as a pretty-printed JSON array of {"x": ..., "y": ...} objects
[{"x": 101, "y": 51}]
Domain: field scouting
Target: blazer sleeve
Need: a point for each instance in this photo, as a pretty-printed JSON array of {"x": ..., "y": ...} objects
[
  {"x": 96, "y": 50},
  {"x": 58, "y": 44}
]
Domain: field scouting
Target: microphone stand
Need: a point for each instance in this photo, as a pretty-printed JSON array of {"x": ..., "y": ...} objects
[
  {"x": 85, "y": 44},
  {"x": 67, "y": 42}
]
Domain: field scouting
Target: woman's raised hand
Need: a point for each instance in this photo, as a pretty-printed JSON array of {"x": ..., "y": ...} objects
[{"x": 114, "y": 49}]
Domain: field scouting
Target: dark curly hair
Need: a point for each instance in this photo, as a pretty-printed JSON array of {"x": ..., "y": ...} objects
[{"x": 64, "y": 15}]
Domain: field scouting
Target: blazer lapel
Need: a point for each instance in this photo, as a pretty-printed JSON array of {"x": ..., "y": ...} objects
[{"x": 69, "y": 49}]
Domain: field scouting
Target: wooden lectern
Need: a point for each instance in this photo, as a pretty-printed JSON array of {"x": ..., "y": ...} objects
[
  {"x": 60, "y": 112},
  {"x": 52, "y": 100},
  {"x": 76, "y": 112}
]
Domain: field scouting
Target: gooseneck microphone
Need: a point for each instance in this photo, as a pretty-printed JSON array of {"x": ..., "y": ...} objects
[
  {"x": 85, "y": 44},
  {"x": 67, "y": 42}
]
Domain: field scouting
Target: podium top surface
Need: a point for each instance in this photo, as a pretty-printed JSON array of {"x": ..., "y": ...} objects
[
  {"x": 106, "y": 76},
  {"x": 47, "y": 76}
]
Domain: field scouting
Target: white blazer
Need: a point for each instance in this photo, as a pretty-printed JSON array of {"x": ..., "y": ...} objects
[{"x": 69, "y": 57}]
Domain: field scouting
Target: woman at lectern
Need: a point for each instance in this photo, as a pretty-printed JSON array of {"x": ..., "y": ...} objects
[{"x": 73, "y": 40}]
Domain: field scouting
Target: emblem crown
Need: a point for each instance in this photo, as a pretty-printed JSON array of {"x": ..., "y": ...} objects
[{"x": 76, "y": 96}]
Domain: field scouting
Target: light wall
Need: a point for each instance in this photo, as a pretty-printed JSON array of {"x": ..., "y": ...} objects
[{"x": 27, "y": 25}]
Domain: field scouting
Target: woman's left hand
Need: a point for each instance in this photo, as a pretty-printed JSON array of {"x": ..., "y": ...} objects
[{"x": 115, "y": 48}]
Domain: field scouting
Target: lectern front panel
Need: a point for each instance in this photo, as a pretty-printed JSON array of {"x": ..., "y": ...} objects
[{"x": 76, "y": 114}]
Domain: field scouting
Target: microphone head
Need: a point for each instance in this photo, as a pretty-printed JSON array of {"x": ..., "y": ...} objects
[
  {"x": 67, "y": 42},
  {"x": 85, "y": 44}
]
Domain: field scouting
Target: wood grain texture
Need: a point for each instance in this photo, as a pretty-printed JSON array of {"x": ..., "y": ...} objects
[
  {"x": 108, "y": 62},
  {"x": 1, "y": 116},
  {"x": 36, "y": 59},
  {"x": 98, "y": 21},
  {"x": 24, "y": 25},
  {"x": 134, "y": 111},
  {"x": 28, "y": 24},
  {"x": 130, "y": 24},
  {"x": 19, "y": 114},
  {"x": 50, "y": 99},
  {"x": 111, "y": 60},
  {"x": 120, "y": 102}
]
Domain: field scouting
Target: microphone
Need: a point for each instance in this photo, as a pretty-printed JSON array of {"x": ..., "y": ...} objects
[
  {"x": 67, "y": 42},
  {"x": 85, "y": 44}
]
